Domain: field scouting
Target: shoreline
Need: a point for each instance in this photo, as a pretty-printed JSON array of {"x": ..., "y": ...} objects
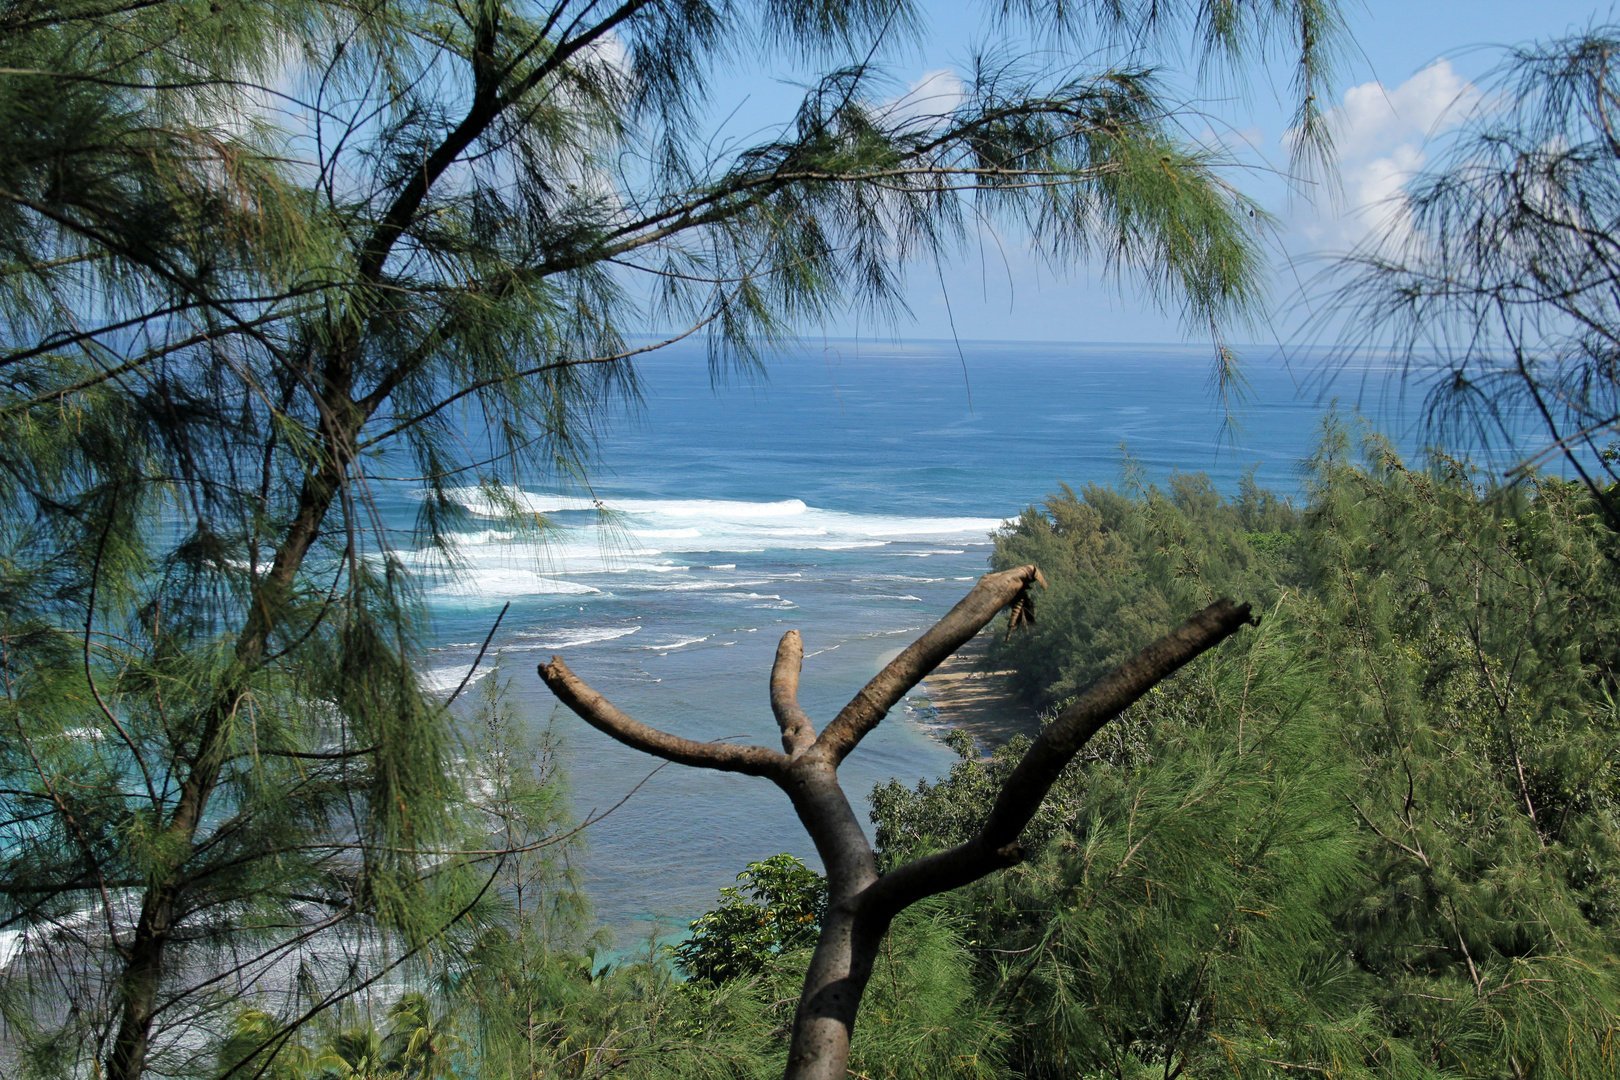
[{"x": 967, "y": 696}]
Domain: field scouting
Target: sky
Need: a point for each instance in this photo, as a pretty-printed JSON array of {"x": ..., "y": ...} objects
[{"x": 1410, "y": 70}]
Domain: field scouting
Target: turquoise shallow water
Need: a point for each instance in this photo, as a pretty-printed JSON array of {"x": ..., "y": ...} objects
[{"x": 848, "y": 494}]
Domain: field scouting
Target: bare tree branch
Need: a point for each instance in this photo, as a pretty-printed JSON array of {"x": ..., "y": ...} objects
[
  {"x": 968, "y": 617},
  {"x": 797, "y": 731},
  {"x": 996, "y": 844},
  {"x": 860, "y": 903},
  {"x": 602, "y": 715}
]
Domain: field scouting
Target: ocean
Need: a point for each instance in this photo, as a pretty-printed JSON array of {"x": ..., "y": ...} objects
[{"x": 850, "y": 494}]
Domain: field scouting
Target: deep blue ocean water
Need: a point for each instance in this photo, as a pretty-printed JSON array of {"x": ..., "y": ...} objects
[{"x": 848, "y": 494}]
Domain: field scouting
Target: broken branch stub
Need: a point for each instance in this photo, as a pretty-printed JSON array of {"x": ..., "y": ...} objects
[
  {"x": 860, "y": 903},
  {"x": 797, "y": 731}
]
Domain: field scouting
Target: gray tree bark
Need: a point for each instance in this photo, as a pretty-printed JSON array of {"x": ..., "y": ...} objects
[{"x": 860, "y": 902}]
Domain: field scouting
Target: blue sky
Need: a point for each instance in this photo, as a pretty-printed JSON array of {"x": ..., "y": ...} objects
[{"x": 1410, "y": 68}]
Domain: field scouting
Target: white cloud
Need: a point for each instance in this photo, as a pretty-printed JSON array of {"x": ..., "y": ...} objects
[
  {"x": 1373, "y": 120},
  {"x": 934, "y": 96},
  {"x": 610, "y": 49},
  {"x": 1380, "y": 136},
  {"x": 1373, "y": 189}
]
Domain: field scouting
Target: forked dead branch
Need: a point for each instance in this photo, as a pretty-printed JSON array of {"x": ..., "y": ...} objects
[{"x": 860, "y": 902}]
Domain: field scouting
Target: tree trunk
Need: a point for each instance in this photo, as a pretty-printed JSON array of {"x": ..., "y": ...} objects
[
  {"x": 143, "y": 966},
  {"x": 847, "y": 947}
]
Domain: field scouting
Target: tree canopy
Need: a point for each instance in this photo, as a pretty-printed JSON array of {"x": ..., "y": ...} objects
[
  {"x": 259, "y": 258},
  {"x": 1493, "y": 276},
  {"x": 1374, "y": 837}
]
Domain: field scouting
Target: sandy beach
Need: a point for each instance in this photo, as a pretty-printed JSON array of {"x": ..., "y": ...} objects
[{"x": 969, "y": 696}]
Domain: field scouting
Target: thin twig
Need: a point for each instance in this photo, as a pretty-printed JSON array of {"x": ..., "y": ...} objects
[{"x": 465, "y": 679}]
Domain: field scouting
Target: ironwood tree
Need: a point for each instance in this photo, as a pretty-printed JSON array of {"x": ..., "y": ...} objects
[
  {"x": 1492, "y": 278},
  {"x": 258, "y": 260}
]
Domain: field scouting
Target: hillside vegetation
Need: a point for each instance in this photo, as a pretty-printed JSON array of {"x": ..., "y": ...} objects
[{"x": 1375, "y": 837}]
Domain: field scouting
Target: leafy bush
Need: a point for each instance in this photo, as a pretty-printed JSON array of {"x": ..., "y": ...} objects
[
  {"x": 775, "y": 908},
  {"x": 1123, "y": 569}
]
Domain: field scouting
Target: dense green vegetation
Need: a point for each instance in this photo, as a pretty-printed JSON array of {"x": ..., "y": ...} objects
[{"x": 1376, "y": 837}]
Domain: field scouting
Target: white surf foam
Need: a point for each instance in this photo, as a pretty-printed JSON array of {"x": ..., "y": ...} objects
[
  {"x": 88, "y": 733},
  {"x": 678, "y": 643},
  {"x": 572, "y": 639},
  {"x": 700, "y": 586},
  {"x": 865, "y": 637},
  {"x": 444, "y": 680},
  {"x": 500, "y": 581},
  {"x": 659, "y": 545},
  {"x": 484, "y": 503},
  {"x": 483, "y": 536},
  {"x": 693, "y": 525},
  {"x": 11, "y": 944}
]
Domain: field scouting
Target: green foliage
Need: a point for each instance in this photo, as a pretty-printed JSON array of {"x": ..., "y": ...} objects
[
  {"x": 417, "y": 1041},
  {"x": 921, "y": 1016},
  {"x": 556, "y": 1014},
  {"x": 1181, "y": 922},
  {"x": 1457, "y": 622},
  {"x": 1376, "y": 837},
  {"x": 942, "y": 814},
  {"x": 776, "y": 908},
  {"x": 1121, "y": 566},
  {"x": 506, "y": 894}
]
